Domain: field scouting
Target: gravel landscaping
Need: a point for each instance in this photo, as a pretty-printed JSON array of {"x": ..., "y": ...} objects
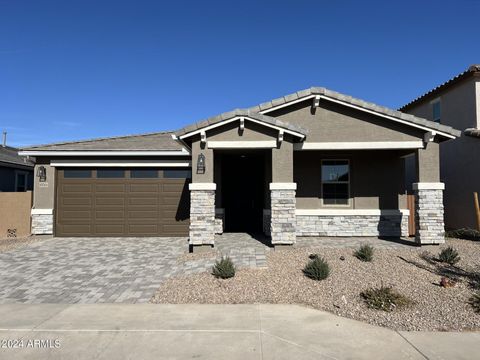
[
  {"x": 12, "y": 243},
  {"x": 411, "y": 271}
]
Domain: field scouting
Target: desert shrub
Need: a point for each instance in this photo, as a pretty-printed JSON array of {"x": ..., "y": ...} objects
[
  {"x": 475, "y": 301},
  {"x": 384, "y": 298},
  {"x": 467, "y": 234},
  {"x": 224, "y": 268},
  {"x": 317, "y": 269},
  {"x": 449, "y": 255},
  {"x": 364, "y": 253}
]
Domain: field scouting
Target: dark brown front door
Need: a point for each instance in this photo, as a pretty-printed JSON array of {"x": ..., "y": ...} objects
[{"x": 115, "y": 203}]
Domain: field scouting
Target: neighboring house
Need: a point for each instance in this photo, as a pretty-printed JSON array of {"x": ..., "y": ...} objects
[
  {"x": 456, "y": 103},
  {"x": 16, "y": 172},
  {"x": 312, "y": 163}
]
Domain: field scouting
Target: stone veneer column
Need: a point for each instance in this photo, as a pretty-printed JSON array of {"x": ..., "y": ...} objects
[
  {"x": 202, "y": 214},
  {"x": 283, "y": 221},
  {"x": 42, "y": 221},
  {"x": 429, "y": 221}
]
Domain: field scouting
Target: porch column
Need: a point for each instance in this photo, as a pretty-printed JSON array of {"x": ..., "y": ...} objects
[
  {"x": 282, "y": 196},
  {"x": 202, "y": 200},
  {"x": 202, "y": 214},
  {"x": 429, "y": 213}
]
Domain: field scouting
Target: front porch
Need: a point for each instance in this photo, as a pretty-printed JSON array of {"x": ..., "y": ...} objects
[{"x": 251, "y": 178}]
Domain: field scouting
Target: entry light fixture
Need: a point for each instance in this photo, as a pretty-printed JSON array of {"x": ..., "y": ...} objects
[
  {"x": 201, "y": 164},
  {"x": 42, "y": 173}
]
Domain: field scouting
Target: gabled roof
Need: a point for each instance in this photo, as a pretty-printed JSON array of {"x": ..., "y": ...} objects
[
  {"x": 473, "y": 70},
  {"x": 161, "y": 141},
  {"x": 10, "y": 155},
  {"x": 358, "y": 103},
  {"x": 259, "y": 112},
  {"x": 245, "y": 113}
]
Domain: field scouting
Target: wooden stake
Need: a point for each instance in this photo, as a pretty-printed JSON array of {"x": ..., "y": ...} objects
[{"x": 477, "y": 209}]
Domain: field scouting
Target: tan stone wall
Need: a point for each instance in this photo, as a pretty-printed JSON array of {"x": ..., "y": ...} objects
[{"x": 15, "y": 210}]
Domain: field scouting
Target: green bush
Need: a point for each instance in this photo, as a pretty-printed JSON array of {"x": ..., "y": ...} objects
[
  {"x": 317, "y": 268},
  {"x": 223, "y": 268},
  {"x": 364, "y": 253},
  {"x": 475, "y": 301},
  {"x": 467, "y": 234},
  {"x": 449, "y": 255},
  {"x": 384, "y": 298}
]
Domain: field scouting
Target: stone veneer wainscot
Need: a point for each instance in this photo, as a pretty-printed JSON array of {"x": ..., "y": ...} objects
[{"x": 429, "y": 221}]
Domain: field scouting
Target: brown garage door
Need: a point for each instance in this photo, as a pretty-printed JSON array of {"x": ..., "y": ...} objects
[{"x": 122, "y": 202}]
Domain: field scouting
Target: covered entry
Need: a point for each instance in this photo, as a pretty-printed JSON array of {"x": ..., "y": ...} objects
[{"x": 242, "y": 179}]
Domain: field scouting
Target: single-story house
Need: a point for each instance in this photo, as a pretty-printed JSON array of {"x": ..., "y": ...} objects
[
  {"x": 312, "y": 163},
  {"x": 16, "y": 172}
]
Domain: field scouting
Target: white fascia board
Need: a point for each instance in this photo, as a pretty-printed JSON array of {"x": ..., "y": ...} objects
[
  {"x": 429, "y": 186},
  {"x": 361, "y": 145},
  {"x": 224, "y": 122},
  {"x": 202, "y": 186},
  {"x": 42, "y": 211},
  {"x": 119, "y": 163},
  {"x": 182, "y": 152},
  {"x": 358, "y": 108},
  {"x": 267, "y": 144},
  {"x": 283, "y": 186},
  {"x": 351, "y": 212}
]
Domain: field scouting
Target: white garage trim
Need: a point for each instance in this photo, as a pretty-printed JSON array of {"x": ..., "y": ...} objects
[
  {"x": 182, "y": 152},
  {"x": 120, "y": 163},
  {"x": 351, "y": 212}
]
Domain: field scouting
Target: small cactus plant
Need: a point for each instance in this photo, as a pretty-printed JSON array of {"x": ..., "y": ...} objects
[
  {"x": 364, "y": 253},
  {"x": 224, "y": 268},
  {"x": 317, "y": 268},
  {"x": 449, "y": 255}
]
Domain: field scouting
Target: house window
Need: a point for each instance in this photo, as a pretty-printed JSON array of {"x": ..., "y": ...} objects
[
  {"x": 144, "y": 173},
  {"x": 77, "y": 173},
  {"x": 335, "y": 182},
  {"x": 110, "y": 173},
  {"x": 436, "y": 111},
  {"x": 177, "y": 174},
  {"x": 21, "y": 181}
]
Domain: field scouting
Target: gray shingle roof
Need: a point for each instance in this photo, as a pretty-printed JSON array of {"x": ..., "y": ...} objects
[
  {"x": 360, "y": 103},
  {"x": 241, "y": 112},
  {"x": 144, "y": 142},
  {"x": 472, "y": 70},
  {"x": 10, "y": 155}
]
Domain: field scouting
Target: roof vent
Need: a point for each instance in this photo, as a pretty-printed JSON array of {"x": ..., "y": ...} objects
[{"x": 4, "y": 141}]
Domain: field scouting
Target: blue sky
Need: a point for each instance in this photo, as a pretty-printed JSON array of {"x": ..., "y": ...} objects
[{"x": 80, "y": 69}]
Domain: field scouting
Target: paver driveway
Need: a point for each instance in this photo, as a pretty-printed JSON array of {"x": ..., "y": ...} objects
[{"x": 88, "y": 270}]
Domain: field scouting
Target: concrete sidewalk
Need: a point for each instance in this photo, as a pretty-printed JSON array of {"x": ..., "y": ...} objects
[{"x": 146, "y": 331}]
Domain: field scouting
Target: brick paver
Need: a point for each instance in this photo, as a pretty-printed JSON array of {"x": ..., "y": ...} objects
[{"x": 89, "y": 270}]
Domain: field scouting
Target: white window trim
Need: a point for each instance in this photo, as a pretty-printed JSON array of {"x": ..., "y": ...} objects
[
  {"x": 349, "y": 202},
  {"x": 20, "y": 172}
]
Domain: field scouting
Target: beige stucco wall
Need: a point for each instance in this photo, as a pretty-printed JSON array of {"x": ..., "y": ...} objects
[
  {"x": 376, "y": 179},
  {"x": 15, "y": 213},
  {"x": 459, "y": 165},
  {"x": 44, "y": 194},
  {"x": 332, "y": 122},
  {"x": 282, "y": 163}
]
